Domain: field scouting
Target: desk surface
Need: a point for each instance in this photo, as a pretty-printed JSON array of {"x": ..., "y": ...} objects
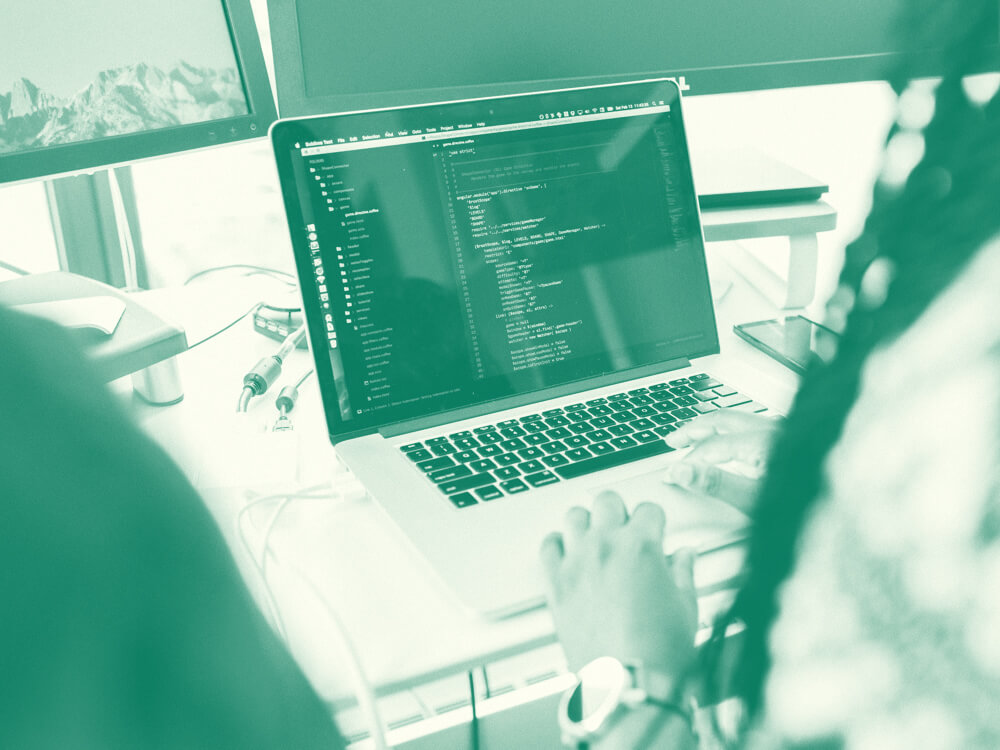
[{"x": 406, "y": 625}]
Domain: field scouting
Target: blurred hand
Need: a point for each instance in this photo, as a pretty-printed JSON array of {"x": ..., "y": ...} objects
[
  {"x": 722, "y": 437},
  {"x": 613, "y": 593}
]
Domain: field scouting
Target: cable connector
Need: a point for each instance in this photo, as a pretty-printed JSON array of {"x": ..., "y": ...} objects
[{"x": 285, "y": 403}]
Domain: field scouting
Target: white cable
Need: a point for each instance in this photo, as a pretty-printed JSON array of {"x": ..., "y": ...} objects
[{"x": 363, "y": 690}]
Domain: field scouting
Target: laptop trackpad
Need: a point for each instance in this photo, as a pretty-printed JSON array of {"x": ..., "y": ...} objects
[{"x": 693, "y": 520}]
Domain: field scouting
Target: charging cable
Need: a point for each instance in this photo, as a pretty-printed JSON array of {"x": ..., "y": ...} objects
[
  {"x": 266, "y": 371},
  {"x": 363, "y": 690}
]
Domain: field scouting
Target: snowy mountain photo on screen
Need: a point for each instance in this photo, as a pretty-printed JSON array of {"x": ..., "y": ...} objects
[{"x": 113, "y": 67}]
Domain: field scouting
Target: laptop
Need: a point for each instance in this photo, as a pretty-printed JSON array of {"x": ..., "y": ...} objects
[{"x": 503, "y": 298}]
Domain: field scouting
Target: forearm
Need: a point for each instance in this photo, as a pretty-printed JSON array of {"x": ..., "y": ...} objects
[{"x": 650, "y": 728}]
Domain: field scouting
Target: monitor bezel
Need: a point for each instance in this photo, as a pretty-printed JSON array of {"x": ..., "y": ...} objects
[
  {"x": 86, "y": 156},
  {"x": 294, "y": 101}
]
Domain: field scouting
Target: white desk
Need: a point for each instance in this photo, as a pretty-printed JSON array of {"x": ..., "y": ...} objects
[{"x": 407, "y": 627}]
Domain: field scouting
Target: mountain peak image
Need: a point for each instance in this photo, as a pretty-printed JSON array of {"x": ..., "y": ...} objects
[{"x": 129, "y": 99}]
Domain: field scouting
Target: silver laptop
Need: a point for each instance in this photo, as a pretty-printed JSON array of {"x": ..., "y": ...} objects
[{"x": 504, "y": 296}]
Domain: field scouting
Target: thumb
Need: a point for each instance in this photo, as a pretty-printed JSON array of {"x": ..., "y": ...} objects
[
  {"x": 682, "y": 567},
  {"x": 736, "y": 490}
]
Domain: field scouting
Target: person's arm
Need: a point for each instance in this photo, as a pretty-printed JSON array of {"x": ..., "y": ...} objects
[{"x": 613, "y": 593}]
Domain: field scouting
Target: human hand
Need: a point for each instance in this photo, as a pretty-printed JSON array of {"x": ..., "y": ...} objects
[
  {"x": 613, "y": 593},
  {"x": 718, "y": 438}
]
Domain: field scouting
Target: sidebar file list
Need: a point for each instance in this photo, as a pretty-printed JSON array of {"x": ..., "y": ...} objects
[{"x": 349, "y": 272}]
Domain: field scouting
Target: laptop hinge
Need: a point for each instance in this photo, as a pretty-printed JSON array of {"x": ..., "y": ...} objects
[{"x": 511, "y": 402}]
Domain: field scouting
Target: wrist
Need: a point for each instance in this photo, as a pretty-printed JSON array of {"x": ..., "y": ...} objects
[{"x": 615, "y": 698}]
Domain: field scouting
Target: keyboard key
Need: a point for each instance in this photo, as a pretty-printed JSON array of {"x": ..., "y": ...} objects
[
  {"x": 483, "y": 465},
  {"x": 419, "y": 455},
  {"x": 443, "y": 449},
  {"x": 514, "y": 444},
  {"x": 459, "y": 435},
  {"x": 617, "y": 397},
  {"x": 665, "y": 406},
  {"x": 529, "y": 467},
  {"x": 507, "y": 423},
  {"x": 724, "y": 391},
  {"x": 618, "y": 458},
  {"x": 640, "y": 400},
  {"x": 681, "y": 390},
  {"x": 620, "y": 429},
  {"x": 598, "y": 435},
  {"x": 752, "y": 407},
  {"x": 506, "y": 459},
  {"x": 466, "y": 456},
  {"x": 644, "y": 411},
  {"x": 597, "y": 401},
  {"x": 552, "y": 413},
  {"x": 705, "y": 408},
  {"x": 558, "y": 433},
  {"x": 581, "y": 427},
  {"x": 490, "y": 437},
  {"x": 512, "y": 432},
  {"x": 576, "y": 441},
  {"x": 621, "y": 406},
  {"x": 704, "y": 385},
  {"x": 454, "y": 472},
  {"x": 706, "y": 395},
  {"x": 699, "y": 376},
  {"x": 466, "y": 483},
  {"x": 513, "y": 486},
  {"x": 507, "y": 472},
  {"x": 535, "y": 439},
  {"x": 574, "y": 407},
  {"x": 601, "y": 449},
  {"x": 578, "y": 454},
  {"x": 558, "y": 421},
  {"x": 556, "y": 446},
  {"x": 623, "y": 442},
  {"x": 436, "y": 464},
  {"x": 645, "y": 436},
  {"x": 664, "y": 429},
  {"x": 578, "y": 416},
  {"x": 684, "y": 413},
  {"x": 623, "y": 416},
  {"x": 600, "y": 411},
  {"x": 638, "y": 391},
  {"x": 541, "y": 479},
  {"x": 679, "y": 381},
  {"x": 531, "y": 418},
  {"x": 484, "y": 428},
  {"x": 463, "y": 500},
  {"x": 663, "y": 396},
  {"x": 658, "y": 387},
  {"x": 734, "y": 399},
  {"x": 685, "y": 400},
  {"x": 492, "y": 492},
  {"x": 556, "y": 460},
  {"x": 465, "y": 444},
  {"x": 663, "y": 418},
  {"x": 532, "y": 427},
  {"x": 643, "y": 424},
  {"x": 602, "y": 421},
  {"x": 529, "y": 453},
  {"x": 489, "y": 450},
  {"x": 437, "y": 441},
  {"x": 412, "y": 447}
]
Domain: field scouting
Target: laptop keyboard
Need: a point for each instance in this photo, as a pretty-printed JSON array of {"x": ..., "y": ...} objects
[{"x": 517, "y": 455}]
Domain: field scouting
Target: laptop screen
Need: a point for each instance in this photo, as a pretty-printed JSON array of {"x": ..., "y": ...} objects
[{"x": 454, "y": 254}]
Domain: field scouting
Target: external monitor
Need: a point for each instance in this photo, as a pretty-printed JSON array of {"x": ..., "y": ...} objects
[
  {"x": 349, "y": 55},
  {"x": 88, "y": 85}
]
